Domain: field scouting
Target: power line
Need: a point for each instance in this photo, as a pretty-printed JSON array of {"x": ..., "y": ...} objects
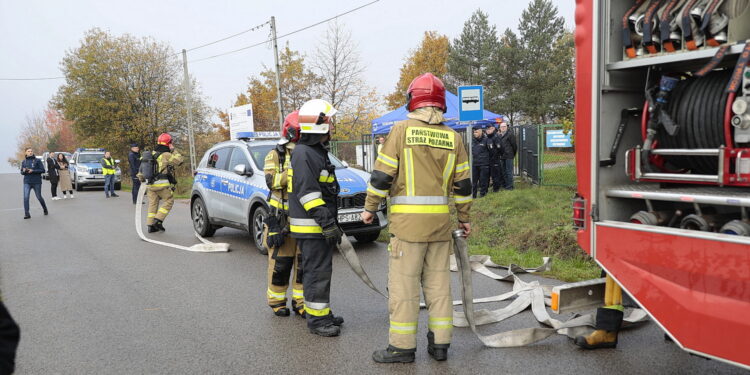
[
  {"x": 287, "y": 34},
  {"x": 229, "y": 37},
  {"x": 31, "y": 79}
]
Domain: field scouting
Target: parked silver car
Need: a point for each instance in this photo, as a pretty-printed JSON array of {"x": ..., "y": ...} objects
[{"x": 229, "y": 190}]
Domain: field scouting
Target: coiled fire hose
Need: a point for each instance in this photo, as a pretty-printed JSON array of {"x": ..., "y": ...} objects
[{"x": 205, "y": 247}]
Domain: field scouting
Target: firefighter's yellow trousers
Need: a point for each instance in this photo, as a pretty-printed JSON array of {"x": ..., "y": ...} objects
[
  {"x": 413, "y": 266},
  {"x": 288, "y": 262},
  {"x": 156, "y": 194}
]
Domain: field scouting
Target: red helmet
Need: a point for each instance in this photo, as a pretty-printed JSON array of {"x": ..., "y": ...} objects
[
  {"x": 426, "y": 91},
  {"x": 164, "y": 139},
  {"x": 291, "y": 127}
]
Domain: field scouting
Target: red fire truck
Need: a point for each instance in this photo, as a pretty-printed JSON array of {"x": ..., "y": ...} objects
[{"x": 663, "y": 157}]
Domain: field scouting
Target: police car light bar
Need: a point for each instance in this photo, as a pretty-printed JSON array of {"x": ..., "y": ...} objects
[{"x": 258, "y": 135}]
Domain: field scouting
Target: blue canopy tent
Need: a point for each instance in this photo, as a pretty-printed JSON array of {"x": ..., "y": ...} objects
[{"x": 383, "y": 125}]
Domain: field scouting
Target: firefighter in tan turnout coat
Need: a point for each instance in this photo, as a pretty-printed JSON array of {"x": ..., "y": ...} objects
[
  {"x": 167, "y": 158},
  {"x": 284, "y": 257},
  {"x": 421, "y": 164}
]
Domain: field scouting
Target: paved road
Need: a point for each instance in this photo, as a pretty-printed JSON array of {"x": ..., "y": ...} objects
[{"x": 91, "y": 298}]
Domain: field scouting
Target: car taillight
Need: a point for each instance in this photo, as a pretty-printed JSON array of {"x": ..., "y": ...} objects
[{"x": 579, "y": 212}]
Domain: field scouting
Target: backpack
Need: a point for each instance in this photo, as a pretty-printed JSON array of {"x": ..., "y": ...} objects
[{"x": 149, "y": 168}]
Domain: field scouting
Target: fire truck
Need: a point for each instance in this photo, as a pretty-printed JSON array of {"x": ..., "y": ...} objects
[{"x": 663, "y": 162}]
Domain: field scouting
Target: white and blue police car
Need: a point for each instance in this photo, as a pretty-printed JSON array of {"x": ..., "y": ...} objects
[
  {"x": 86, "y": 168},
  {"x": 229, "y": 190}
]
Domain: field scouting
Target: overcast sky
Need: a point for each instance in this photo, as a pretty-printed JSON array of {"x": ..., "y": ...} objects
[{"x": 34, "y": 36}]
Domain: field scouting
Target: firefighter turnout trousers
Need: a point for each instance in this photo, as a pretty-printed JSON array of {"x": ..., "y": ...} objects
[
  {"x": 155, "y": 194},
  {"x": 287, "y": 262},
  {"x": 415, "y": 266},
  {"x": 317, "y": 263}
]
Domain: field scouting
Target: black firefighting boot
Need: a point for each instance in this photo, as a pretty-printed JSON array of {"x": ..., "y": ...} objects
[
  {"x": 152, "y": 229},
  {"x": 438, "y": 352},
  {"x": 328, "y": 330},
  {"x": 608, "y": 323},
  {"x": 298, "y": 308},
  {"x": 280, "y": 309},
  {"x": 158, "y": 225},
  {"x": 394, "y": 355},
  {"x": 337, "y": 320}
]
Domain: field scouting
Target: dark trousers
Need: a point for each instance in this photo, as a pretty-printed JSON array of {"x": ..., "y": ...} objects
[
  {"x": 109, "y": 184},
  {"x": 480, "y": 180},
  {"x": 53, "y": 188},
  {"x": 497, "y": 174},
  {"x": 27, "y": 188},
  {"x": 508, "y": 169},
  {"x": 136, "y": 187},
  {"x": 10, "y": 334},
  {"x": 317, "y": 261}
]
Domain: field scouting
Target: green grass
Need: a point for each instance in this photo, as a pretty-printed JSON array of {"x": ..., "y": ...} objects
[
  {"x": 184, "y": 187},
  {"x": 523, "y": 225},
  {"x": 560, "y": 176}
]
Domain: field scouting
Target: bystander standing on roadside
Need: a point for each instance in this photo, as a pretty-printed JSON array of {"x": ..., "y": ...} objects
[
  {"x": 108, "y": 169},
  {"x": 134, "y": 159},
  {"x": 54, "y": 175},
  {"x": 480, "y": 163},
  {"x": 496, "y": 170},
  {"x": 508, "y": 149},
  {"x": 10, "y": 334},
  {"x": 32, "y": 169},
  {"x": 66, "y": 184}
]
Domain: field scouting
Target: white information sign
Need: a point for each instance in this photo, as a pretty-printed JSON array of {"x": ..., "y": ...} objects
[{"x": 240, "y": 120}]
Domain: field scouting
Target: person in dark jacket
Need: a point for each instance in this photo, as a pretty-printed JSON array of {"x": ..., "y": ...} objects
[
  {"x": 32, "y": 169},
  {"x": 508, "y": 149},
  {"x": 134, "y": 159},
  {"x": 54, "y": 174},
  {"x": 480, "y": 152},
  {"x": 496, "y": 170},
  {"x": 10, "y": 334}
]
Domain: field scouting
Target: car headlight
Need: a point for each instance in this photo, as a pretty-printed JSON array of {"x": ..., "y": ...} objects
[{"x": 82, "y": 169}]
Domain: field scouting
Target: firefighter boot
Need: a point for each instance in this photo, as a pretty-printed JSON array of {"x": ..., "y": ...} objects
[
  {"x": 328, "y": 330},
  {"x": 608, "y": 321},
  {"x": 298, "y": 308},
  {"x": 280, "y": 309},
  {"x": 438, "y": 352},
  {"x": 152, "y": 229},
  {"x": 158, "y": 225},
  {"x": 394, "y": 355}
]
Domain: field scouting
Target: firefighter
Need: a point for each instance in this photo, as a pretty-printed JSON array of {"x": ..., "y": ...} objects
[
  {"x": 162, "y": 188},
  {"x": 313, "y": 192},
  {"x": 421, "y": 164},
  {"x": 480, "y": 151},
  {"x": 284, "y": 257},
  {"x": 608, "y": 319}
]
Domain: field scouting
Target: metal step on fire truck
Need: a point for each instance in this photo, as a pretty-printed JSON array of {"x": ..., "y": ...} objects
[{"x": 663, "y": 154}]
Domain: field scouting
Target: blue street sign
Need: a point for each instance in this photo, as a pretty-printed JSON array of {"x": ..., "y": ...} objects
[
  {"x": 557, "y": 138},
  {"x": 470, "y": 103}
]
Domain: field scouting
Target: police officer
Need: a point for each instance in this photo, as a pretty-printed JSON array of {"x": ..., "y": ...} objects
[
  {"x": 480, "y": 152},
  {"x": 284, "y": 257},
  {"x": 508, "y": 149},
  {"x": 313, "y": 192},
  {"x": 496, "y": 171},
  {"x": 422, "y": 163},
  {"x": 134, "y": 160},
  {"x": 162, "y": 189}
]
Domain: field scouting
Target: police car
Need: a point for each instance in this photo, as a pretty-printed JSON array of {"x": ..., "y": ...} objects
[
  {"x": 86, "y": 169},
  {"x": 229, "y": 190}
]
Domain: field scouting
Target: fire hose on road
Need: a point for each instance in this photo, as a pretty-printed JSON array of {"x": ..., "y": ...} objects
[
  {"x": 526, "y": 294},
  {"x": 205, "y": 247}
]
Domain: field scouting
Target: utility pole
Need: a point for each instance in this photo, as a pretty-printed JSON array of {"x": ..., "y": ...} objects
[
  {"x": 189, "y": 105},
  {"x": 278, "y": 76}
]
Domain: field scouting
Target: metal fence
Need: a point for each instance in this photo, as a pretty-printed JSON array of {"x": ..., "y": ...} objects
[{"x": 540, "y": 159}]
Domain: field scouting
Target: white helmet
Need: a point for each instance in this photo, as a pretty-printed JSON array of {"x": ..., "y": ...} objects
[{"x": 315, "y": 116}]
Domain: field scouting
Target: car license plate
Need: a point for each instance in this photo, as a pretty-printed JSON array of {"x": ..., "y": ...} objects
[
  {"x": 98, "y": 176},
  {"x": 349, "y": 217}
]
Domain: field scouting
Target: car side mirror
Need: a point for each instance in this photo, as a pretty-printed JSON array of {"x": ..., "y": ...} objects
[
  {"x": 345, "y": 163},
  {"x": 242, "y": 170}
]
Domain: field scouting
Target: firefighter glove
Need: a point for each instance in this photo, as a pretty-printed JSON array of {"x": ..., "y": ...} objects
[
  {"x": 275, "y": 237},
  {"x": 333, "y": 234}
]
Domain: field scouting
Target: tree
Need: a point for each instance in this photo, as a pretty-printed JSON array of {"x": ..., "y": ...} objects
[
  {"x": 62, "y": 137},
  {"x": 471, "y": 53},
  {"x": 431, "y": 56},
  {"x": 34, "y": 134},
  {"x": 337, "y": 64},
  {"x": 122, "y": 89},
  {"x": 505, "y": 92}
]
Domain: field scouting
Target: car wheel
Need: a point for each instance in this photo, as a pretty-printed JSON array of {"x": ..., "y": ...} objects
[
  {"x": 256, "y": 229},
  {"x": 367, "y": 237},
  {"x": 201, "y": 223},
  {"x": 79, "y": 187}
]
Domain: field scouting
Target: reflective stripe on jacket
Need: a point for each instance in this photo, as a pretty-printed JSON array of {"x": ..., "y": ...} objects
[
  {"x": 277, "y": 177},
  {"x": 313, "y": 192},
  {"x": 419, "y": 167},
  {"x": 108, "y": 166}
]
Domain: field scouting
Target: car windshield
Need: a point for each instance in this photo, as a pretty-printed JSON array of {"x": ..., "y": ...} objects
[
  {"x": 90, "y": 158},
  {"x": 259, "y": 153}
]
